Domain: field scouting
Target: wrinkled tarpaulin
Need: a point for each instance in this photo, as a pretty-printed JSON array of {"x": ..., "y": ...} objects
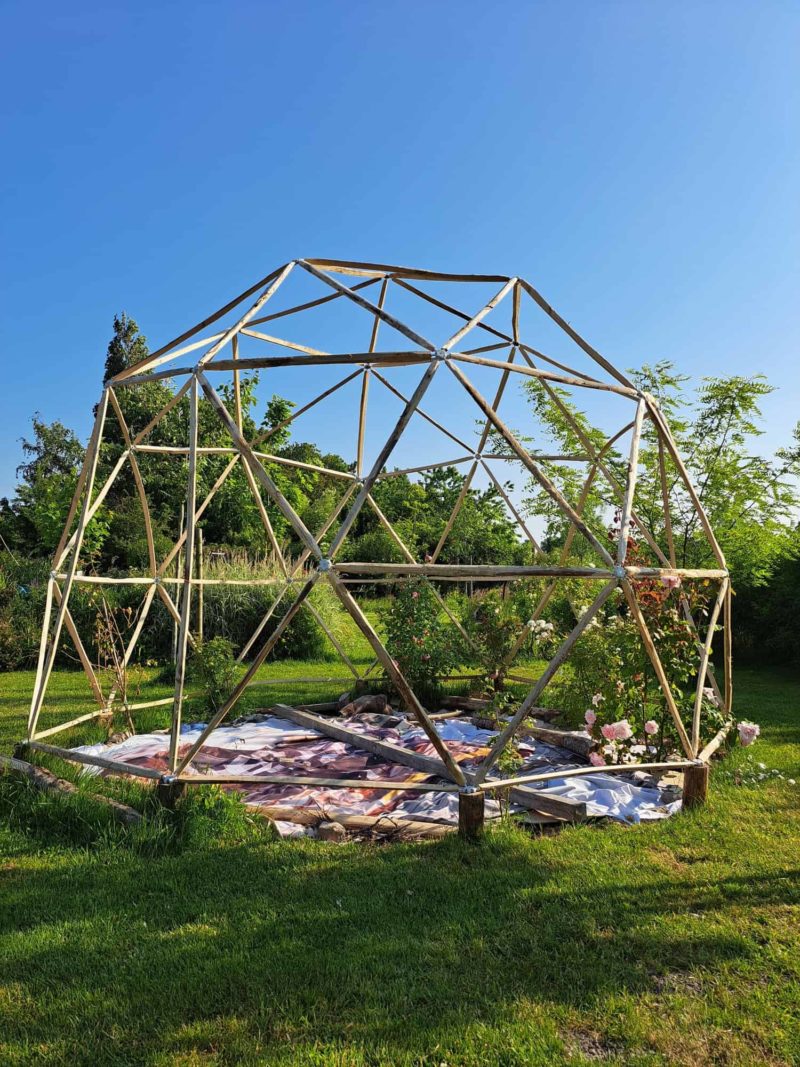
[{"x": 276, "y": 746}]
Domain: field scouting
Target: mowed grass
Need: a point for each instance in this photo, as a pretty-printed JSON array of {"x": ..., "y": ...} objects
[{"x": 676, "y": 943}]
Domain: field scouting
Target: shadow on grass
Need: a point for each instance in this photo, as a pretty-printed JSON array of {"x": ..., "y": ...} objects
[{"x": 349, "y": 943}]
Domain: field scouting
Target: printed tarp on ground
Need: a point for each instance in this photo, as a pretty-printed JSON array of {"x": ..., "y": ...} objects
[{"x": 276, "y": 746}]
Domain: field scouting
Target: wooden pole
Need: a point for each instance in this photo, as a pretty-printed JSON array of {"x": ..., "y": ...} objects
[
  {"x": 200, "y": 626},
  {"x": 188, "y": 569},
  {"x": 703, "y": 668},
  {"x": 92, "y": 457}
]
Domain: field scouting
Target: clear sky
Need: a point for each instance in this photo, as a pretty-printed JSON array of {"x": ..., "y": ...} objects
[{"x": 638, "y": 162}]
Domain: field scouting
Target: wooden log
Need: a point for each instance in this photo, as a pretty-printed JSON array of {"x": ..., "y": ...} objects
[
  {"x": 379, "y": 784},
  {"x": 46, "y": 782},
  {"x": 379, "y": 824},
  {"x": 715, "y": 742},
  {"x": 471, "y": 810},
  {"x": 560, "y": 806},
  {"x": 384, "y": 749},
  {"x": 574, "y": 740},
  {"x": 695, "y": 784}
]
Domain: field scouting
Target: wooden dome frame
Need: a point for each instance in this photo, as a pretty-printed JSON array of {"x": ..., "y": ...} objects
[{"x": 220, "y": 352}]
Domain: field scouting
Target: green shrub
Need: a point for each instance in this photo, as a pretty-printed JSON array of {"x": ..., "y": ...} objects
[
  {"x": 213, "y": 666},
  {"x": 424, "y": 646}
]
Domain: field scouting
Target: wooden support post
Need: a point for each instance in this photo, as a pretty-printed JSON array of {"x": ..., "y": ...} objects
[
  {"x": 695, "y": 785},
  {"x": 471, "y": 810},
  {"x": 188, "y": 568},
  {"x": 169, "y": 791},
  {"x": 200, "y": 586}
]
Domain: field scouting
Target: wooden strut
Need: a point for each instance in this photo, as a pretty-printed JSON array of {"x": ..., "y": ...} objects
[
  {"x": 92, "y": 457},
  {"x": 188, "y": 565}
]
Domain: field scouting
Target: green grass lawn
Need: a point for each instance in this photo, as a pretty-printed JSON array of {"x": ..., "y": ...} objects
[{"x": 672, "y": 943}]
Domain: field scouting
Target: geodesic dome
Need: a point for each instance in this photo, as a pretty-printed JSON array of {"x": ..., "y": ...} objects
[{"x": 444, "y": 349}]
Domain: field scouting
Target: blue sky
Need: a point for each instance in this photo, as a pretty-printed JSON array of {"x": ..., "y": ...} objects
[{"x": 639, "y": 163}]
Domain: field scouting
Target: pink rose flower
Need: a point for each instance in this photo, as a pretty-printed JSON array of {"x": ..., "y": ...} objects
[
  {"x": 596, "y": 759},
  {"x": 651, "y": 727},
  {"x": 748, "y": 732},
  {"x": 589, "y": 717},
  {"x": 671, "y": 581},
  {"x": 617, "y": 731},
  {"x": 414, "y": 595}
]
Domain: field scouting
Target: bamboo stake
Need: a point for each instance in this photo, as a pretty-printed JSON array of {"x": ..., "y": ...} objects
[
  {"x": 520, "y": 521},
  {"x": 264, "y": 515},
  {"x": 260, "y": 438},
  {"x": 90, "y": 759},
  {"x": 179, "y": 543},
  {"x": 541, "y": 683},
  {"x": 728, "y": 637},
  {"x": 237, "y": 385},
  {"x": 701, "y": 674},
  {"x": 334, "y": 641},
  {"x": 489, "y": 329},
  {"x": 410, "y": 558},
  {"x": 93, "y": 455},
  {"x": 88, "y": 717},
  {"x": 188, "y": 568},
  {"x": 232, "y": 700},
  {"x": 95, "y": 506}
]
